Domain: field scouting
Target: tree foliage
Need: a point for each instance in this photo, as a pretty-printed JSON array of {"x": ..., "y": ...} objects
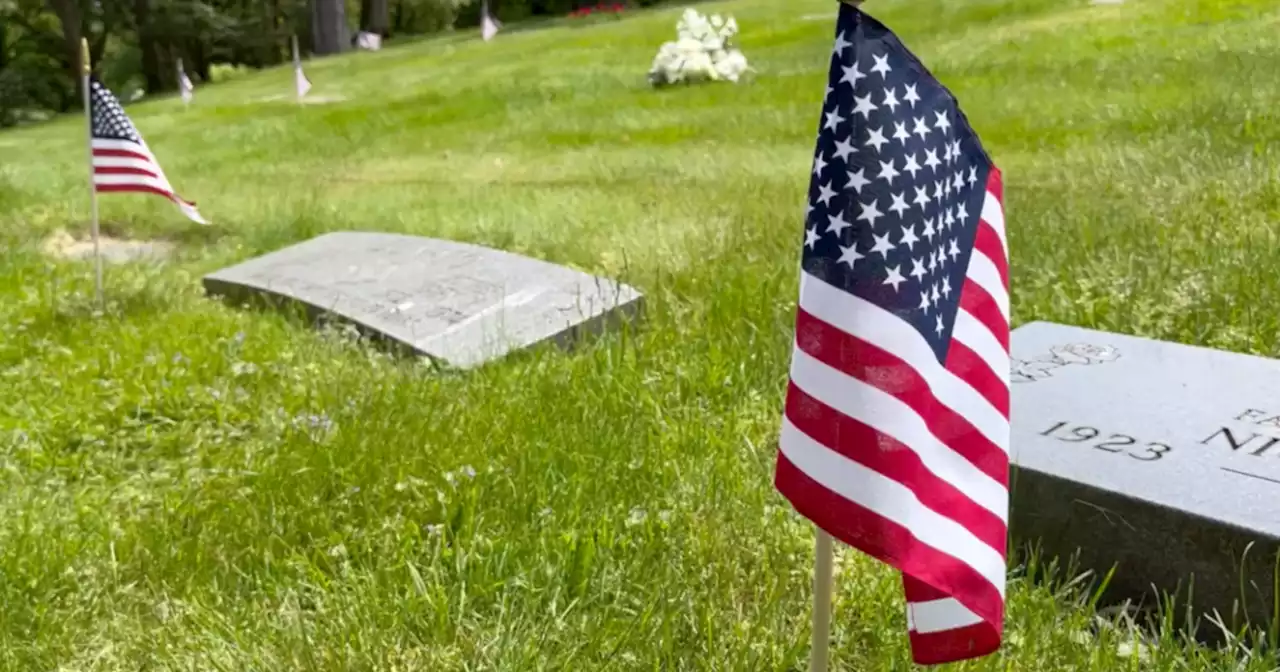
[{"x": 135, "y": 44}]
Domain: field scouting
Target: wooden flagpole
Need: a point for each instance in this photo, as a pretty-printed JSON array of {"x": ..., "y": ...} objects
[
  {"x": 822, "y": 577},
  {"x": 85, "y": 69},
  {"x": 822, "y": 557}
]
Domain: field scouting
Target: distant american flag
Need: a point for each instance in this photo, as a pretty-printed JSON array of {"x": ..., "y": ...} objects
[
  {"x": 121, "y": 160},
  {"x": 488, "y": 25},
  {"x": 895, "y": 434},
  {"x": 300, "y": 82},
  {"x": 185, "y": 87}
]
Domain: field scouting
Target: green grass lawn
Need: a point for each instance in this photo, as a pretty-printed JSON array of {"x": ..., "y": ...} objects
[{"x": 186, "y": 485}]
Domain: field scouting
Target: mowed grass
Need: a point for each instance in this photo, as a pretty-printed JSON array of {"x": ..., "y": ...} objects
[{"x": 187, "y": 485}]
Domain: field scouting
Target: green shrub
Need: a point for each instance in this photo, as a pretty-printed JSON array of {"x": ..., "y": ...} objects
[
  {"x": 418, "y": 17},
  {"x": 222, "y": 72}
]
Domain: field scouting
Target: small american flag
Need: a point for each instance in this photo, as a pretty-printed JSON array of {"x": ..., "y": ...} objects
[
  {"x": 895, "y": 433},
  {"x": 488, "y": 25},
  {"x": 121, "y": 160},
  {"x": 300, "y": 82},
  {"x": 185, "y": 87}
]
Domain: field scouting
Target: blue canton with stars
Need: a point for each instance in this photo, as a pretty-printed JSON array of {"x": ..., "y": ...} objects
[
  {"x": 898, "y": 182},
  {"x": 109, "y": 120}
]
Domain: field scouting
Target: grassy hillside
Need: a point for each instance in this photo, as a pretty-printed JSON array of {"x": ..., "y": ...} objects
[{"x": 186, "y": 485}]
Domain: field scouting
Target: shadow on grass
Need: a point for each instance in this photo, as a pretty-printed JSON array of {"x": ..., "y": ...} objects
[{"x": 1156, "y": 616}]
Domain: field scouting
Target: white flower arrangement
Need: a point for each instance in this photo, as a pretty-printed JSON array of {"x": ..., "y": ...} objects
[{"x": 704, "y": 51}]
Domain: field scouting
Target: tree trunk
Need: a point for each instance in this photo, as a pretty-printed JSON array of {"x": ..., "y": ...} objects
[
  {"x": 329, "y": 27},
  {"x": 374, "y": 17},
  {"x": 74, "y": 28},
  {"x": 68, "y": 13},
  {"x": 199, "y": 61},
  {"x": 277, "y": 51},
  {"x": 397, "y": 15},
  {"x": 158, "y": 78}
]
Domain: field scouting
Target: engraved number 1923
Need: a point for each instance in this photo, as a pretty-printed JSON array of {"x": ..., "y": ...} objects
[{"x": 1114, "y": 443}]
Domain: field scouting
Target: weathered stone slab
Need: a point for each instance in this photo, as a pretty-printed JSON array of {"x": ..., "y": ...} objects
[
  {"x": 460, "y": 303},
  {"x": 1161, "y": 457}
]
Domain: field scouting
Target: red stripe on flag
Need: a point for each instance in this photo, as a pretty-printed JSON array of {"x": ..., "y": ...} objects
[
  {"x": 977, "y": 302},
  {"x": 123, "y": 170},
  {"x": 882, "y": 370},
  {"x": 890, "y": 458},
  {"x": 140, "y": 188},
  {"x": 988, "y": 243},
  {"x": 120, "y": 154},
  {"x": 965, "y": 364},
  {"x": 918, "y": 591},
  {"x": 963, "y": 641},
  {"x": 888, "y": 542},
  {"x": 947, "y": 646}
]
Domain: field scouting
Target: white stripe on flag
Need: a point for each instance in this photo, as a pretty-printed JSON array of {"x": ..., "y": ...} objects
[
  {"x": 189, "y": 210},
  {"x": 892, "y": 501},
  {"x": 123, "y": 162},
  {"x": 126, "y": 180},
  {"x": 894, "y": 418},
  {"x": 978, "y": 338},
  {"x": 873, "y": 324},
  {"x": 939, "y": 616},
  {"x": 993, "y": 214},
  {"x": 300, "y": 81},
  {"x": 123, "y": 146},
  {"x": 983, "y": 271}
]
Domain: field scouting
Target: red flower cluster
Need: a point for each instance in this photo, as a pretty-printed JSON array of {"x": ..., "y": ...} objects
[{"x": 600, "y": 8}]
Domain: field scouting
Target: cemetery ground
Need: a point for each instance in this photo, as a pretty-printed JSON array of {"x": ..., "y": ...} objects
[{"x": 186, "y": 484}]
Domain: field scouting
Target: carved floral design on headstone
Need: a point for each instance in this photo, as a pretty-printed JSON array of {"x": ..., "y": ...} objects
[{"x": 1038, "y": 368}]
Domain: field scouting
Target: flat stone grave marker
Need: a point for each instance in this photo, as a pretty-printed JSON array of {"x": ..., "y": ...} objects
[
  {"x": 460, "y": 303},
  {"x": 1161, "y": 457}
]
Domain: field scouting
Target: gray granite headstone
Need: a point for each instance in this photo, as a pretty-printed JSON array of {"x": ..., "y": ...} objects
[
  {"x": 1159, "y": 458},
  {"x": 460, "y": 303}
]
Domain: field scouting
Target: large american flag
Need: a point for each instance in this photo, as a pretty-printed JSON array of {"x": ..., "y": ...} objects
[
  {"x": 895, "y": 434},
  {"x": 121, "y": 159}
]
